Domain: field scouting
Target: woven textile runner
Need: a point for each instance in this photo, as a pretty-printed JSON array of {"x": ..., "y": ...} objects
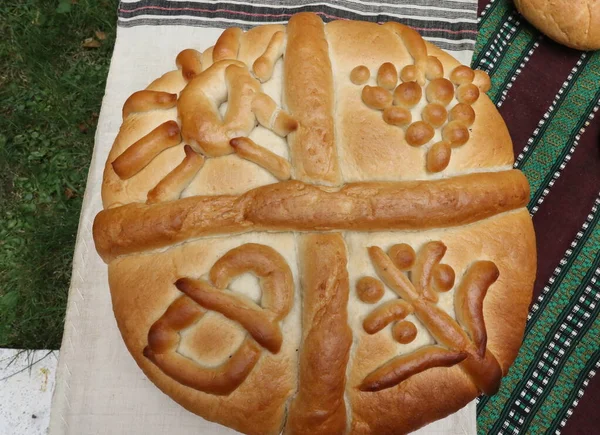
[{"x": 549, "y": 95}]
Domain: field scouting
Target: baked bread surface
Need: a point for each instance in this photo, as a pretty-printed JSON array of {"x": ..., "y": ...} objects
[
  {"x": 574, "y": 23},
  {"x": 317, "y": 229}
]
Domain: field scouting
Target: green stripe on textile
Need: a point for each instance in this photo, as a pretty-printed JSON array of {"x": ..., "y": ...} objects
[
  {"x": 558, "y": 279},
  {"x": 564, "y": 151},
  {"x": 494, "y": 48},
  {"x": 543, "y": 329},
  {"x": 578, "y": 385},
  {"x": 558, "y": 394},
  {"x": 539, "y": 364},
  {"x": 575, "y": 329},
  {"x": 511, "y": 59},
  {"x": 555, "y": 136},
  {"x": 488, "y": 27}
]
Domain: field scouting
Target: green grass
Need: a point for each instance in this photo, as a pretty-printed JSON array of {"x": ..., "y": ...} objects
[{"x": 50, "y": 94}]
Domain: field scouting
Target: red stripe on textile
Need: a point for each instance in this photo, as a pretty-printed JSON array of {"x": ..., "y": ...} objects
[
  {"x": 254, "y": 14},
  {"x": 586, "y": 418},
  {"x": 481, "y": 4}
]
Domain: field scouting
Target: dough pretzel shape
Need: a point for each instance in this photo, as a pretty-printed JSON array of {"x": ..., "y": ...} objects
[
  {"x": 332, "y": 139},
  {"x": 418, "y": 295},
  {"x": 200, "y": 296}
]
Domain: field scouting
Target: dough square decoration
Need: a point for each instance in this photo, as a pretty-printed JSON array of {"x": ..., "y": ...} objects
[{"x": 316, "y": 228}]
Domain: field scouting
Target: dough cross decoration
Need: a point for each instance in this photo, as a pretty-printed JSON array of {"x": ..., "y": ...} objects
[{"x": 419, "y": 295}]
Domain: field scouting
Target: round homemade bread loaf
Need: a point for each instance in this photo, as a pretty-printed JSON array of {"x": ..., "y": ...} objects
[
  {"x": 574, "y": 23},
  {"x": 316, "y": 229}
]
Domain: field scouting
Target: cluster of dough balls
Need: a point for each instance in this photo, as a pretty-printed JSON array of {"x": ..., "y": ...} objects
[
  {"x": 370, "y": 291},
  {"x": 397, "y": 100}
]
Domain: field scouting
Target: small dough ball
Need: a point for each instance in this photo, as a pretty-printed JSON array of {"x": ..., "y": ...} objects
[
  {"x": 360, "y": 75},
  {"x": 408, "y": 95},
  {"x": 456, "y": 133},
  {"x": 387, "y": 76},
  {"x": 438, "y": 156},
  {"x": 434, "y": 68},
  {"x": 376, "y": 97},
  {"x": 462, "y": 113},
  {"x": 369, "y": 290},
  {"x": 408, "y": 73},
  {"x": 404, "y": 332},
  {"x": 482, "y": 81},
  {"x": 443, "y": 277},
  {"x": 434, "y": 114},
  {"x": 419, "y": 133},
  {"x": 440, "y": 91},
  {"x": 462, "y": 75},
  {"x": 403, "y": 256},
  {"x": 467, "y": 94},
  {"x": 397, "y": 116}
]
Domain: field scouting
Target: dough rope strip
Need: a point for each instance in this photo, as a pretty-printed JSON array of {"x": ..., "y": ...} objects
[{"x": 296, "y": 206}]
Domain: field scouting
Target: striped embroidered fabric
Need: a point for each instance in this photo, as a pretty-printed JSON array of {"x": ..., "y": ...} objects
[
  {"x": 553, "y": 99},
  {"x": 451, "y": 24}
]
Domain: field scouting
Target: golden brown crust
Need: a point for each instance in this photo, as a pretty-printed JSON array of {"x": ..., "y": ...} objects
[
  {"x": 142, "y": 101},
  {"x": 319, "y": 405},
  {"x": 360, "y": 75},
  {"x": 462, "y": 75},
  {"x": 419, "y": 133},
  {"x": 178, "y": 179},
  {"x": 469, "y": 301},
  {"x": 403, "y": 256},
  {"x": 369, "y": 289},
  {"x": 308, "y": 84},
  {"x": 467, "y": 93},
  {"x": 387, "y": 76},
  {"x": 294, "y": 205},
  {"x": 249, "y": 150},
  {"x": 141, "y": 297},
  {"x": 263, "y": 66},
  {"x": 575, "y": 24},
  {"x": 385, "y": 314},
  {"x": 190, "y": 63},
  {"x": 440, "y": 91},
  {"x": 397, "y": 116},
  {"x": 428, "y": 257},
  {"x": 269, "y": 116},
  {"x": 438, "y": 156},
  {"x": 164, "y": 339},
  {"x": 434, "y": 68},
  {"x": 463, "y": 113},
  {"x": 227, "y": 45},
  {"x": 376, "y": 97},
  {"x": 415, "y": 46},
  {"x": 455, "y": 133},
  {"x": 407, "y": 94},
  {"x": 404, "y": 332},
  {"x": 409, "y": 365},
  {"x": 137, "y": 156},
  {"x": 434, "y": 114}
]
